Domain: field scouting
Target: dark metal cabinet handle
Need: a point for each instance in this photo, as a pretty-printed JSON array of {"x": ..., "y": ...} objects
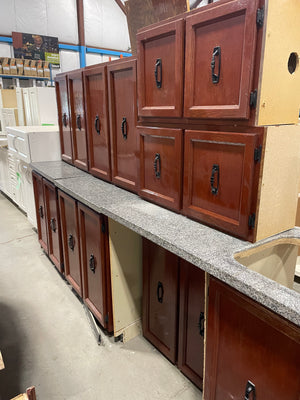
[
  {"x": 216, "y": 53},
  {"x": 78, "y": 122},
  {"x": 97, "y": 124},
  {"x": 65, "y": 120},
  {"x": 71, "y": 242},
  {"x": 201, "y": 324},
  {"x": 124, "y": 128},
  {"x": 92, "y": 263},
  {"x": 53, "y": 224},
  {"x": 250, "y": 388},
  {"x": 158, "y": 73},
  {"x": 41, "y": 212},
  {"x": 160, "y": 292},
  {"x": 157, "y": 165},
  {"x": 215, "y": 172}
]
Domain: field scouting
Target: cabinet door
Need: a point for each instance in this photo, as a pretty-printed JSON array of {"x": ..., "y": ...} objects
[
  {"x": 95, "y": 84},
  {"x": 249, "y": 343},
  {"x": 160, "y": 70},
  {"x": 160, "y": 289},
  {"x": 161, "y": 166},
  {"x": 219, "y": 61},
  {"x": 219, "y": 179},
  {"x": 191, "y": 322},
  {"x": 70, "y": 240},
  {"x": 61, "y": 88},
  {"x": 53, "y": 225},
  {"x": 77, "y": 121},
  {"x": 123, "y": 121},
  {"x": 37, "y": 181},
  {"x": 95, "y": 265}
]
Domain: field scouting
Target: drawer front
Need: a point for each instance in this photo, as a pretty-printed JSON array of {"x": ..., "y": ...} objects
[
  {"x": 95, "y": 86},
  {"x": 219, "y": 62},
  {"x": 123, "y": 121},
  {"x": 160, "y": 70},
  {"x": 95, "y": 266},
  {"x": 64, "y": 122},
  {"x": 53, "y": 225},
  {"x": 161, "y": 166},
  {"x": 160, "y": 287},
  {"x": 70, "y": 239},
  {"x": 76, "y": 100},
  {"x": 219, "y": 179},
  {"x": 41, "y": 215}
]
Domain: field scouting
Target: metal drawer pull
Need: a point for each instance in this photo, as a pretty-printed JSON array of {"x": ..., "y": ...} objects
[
  {"x": 215, "y": 171},
  {"x": 250, "y": 388},
  {"x": 157, "y": 165},
  {"x": 158, "y": 66},
  {"x": 124, "y": 128},
  {"x": 216, "y": 53},
  {"x": 53, "y": 224},
  {"x": 97, "y": 124},
  {"x": 64, "y": 120},
  {"x": 201, "y": 324},
  {"x": 41, "y": 212},
  {"x": 92, "y": 263},
  {"x": 160, "y": 292},
  {"x": 78, "y": 122},
  {"x": 71, "y": 242}
]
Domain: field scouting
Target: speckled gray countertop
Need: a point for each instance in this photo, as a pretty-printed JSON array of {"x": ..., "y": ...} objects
[{"x": 207, "y": 248}]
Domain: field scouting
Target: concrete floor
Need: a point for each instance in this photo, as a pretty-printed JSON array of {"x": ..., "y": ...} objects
[{"x": 46, "y": 339}]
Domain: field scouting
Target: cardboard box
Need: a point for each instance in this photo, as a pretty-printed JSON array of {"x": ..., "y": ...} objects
[
  {"x": 20, "y": 66},
  {"x": 5, "y": 66},
  {"x": 40, "y": 68},
  {"x": 33, "y": 68},
  {"x": 27, "y": 70},
  {"x": 13, "y": 66},
  {"x": 46, "y": 69}
]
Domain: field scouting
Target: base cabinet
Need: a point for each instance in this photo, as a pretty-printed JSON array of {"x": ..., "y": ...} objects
[
  {"x": 37, "y": 181},
  {"x": 251, "y": 352}
]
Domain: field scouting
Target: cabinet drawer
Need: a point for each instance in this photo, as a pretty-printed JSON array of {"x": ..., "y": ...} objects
[
  {"x": 219, "y": 179},
  {"x": 123, "y": 121},
  {"x": 161, "y": 166},
  {"x": 219, "y": 61},
  {"x": 160, "y": 70}
]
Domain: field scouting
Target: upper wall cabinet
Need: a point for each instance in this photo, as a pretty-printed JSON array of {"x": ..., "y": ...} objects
[{"x": 160, "y": 70}]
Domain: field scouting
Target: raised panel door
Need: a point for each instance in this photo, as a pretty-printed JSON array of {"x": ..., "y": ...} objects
[
  {"x": 220, "y": 179},
  {"x": 41, "y": 217},
  {"x": 245, "y": 343},
  {"x": 160, "y": 63},
  {"x": 191, "y": 322},
  {"x": 160, "y": 289},
  {"x": 70, "y": 240},
  {"x": 76, "y": 100},
  {"x": 61, "y": 87},
  {"x": 123, "y": 121},
  {"x": 219, "y": 60},
  {"x": 95, "y": 265},
  {"x": 161, "y": 166},
  {"x": 95, "y": 86},
  {"x": 53, "y": 225}
]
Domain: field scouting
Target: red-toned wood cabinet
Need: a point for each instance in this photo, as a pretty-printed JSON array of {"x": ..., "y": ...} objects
[
  {"x": 173, "y": 309},
  {"x": 124, "y": 140},
  {"x": 77, "y": 121},
  {"x": 95, "y": 265},
  {"x": 48, "y": 219},
  {"x": 161, "y": 163},
  {"x": 97, "y": 121},
  {"x": 160, "y": 69},
  {"x": 251, "y": 352},
  {"x": 221, "y": 178},
  {"x": 62, "y": 98},
  {"x": 219, "y": 60},
  {"x": 70, "y": 240}
]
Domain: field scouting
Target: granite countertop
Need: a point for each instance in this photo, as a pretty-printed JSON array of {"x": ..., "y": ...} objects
[{"x": 207, "y": 248}]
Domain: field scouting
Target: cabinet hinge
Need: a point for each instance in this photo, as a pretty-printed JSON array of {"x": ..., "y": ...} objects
[
  {"x": 253, "y": 99},
  {"x": 106, "y": 318},
  {"x": 260, "y": 17},
  {"x": 251, "y": 221},
  {"x": 257, "y": 154},
  {"x": 62, "y": 267},
  {"x": 103, "y": 229}
]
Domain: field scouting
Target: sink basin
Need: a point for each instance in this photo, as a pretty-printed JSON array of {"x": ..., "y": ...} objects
[{"x": 276, "y": 260}]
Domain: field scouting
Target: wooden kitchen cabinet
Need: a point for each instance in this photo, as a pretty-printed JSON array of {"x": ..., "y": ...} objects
[
  {"x": 95, "y": 265},
  {"x": 123, "y": 120},
  {"x": 97, "y": 121},
  {"x": 251, "y": 352},
  {"x": 62, "y": 98},
  {"x": 77, "y": 121},
  {"x": 39, "y": 198},
  {"x": 161, "y": 163}
]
